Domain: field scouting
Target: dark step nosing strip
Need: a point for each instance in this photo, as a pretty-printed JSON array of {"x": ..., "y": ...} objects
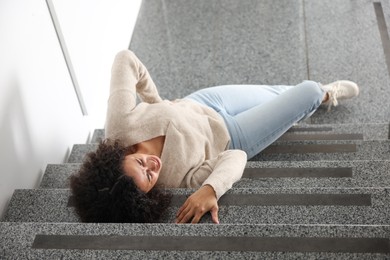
[
  {"x": 311, "y": 148},
  {"x": 257, "y": 173},
  {"x": 280, "y": 200},
  {"x": 210, "y": 243},
  {"x": 310, "y": 129},
  {"x": 323, "y": 137},
  {"x": 295, "y": 199}
]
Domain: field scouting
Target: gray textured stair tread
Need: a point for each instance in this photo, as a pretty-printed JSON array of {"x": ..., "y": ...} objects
[
  {"x": 18, "y": 238},
  {"x": 365, "y": 150},
  {"x": 150, "y": 41},
  {"x": 364, "y": 174},
  {"x": 209, "y": 63},
  {"x": 79, "y": 151},
  {"x": 369, "y": 131},
  {"x": 57, "y": 175},
  {"x": 372, "y": 131},
  {"x": 334, "y": 150},
  {"x": 98, "y": 135},
  {"x": 275, "y": 206}
]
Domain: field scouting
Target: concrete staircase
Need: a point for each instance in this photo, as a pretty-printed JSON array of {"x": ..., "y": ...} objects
[
  {"x": 281, "y": 209},
  {"x": 319, "y": 192}
]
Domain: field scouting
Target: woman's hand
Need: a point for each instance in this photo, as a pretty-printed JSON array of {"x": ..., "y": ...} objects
[{"x": 198, "y": 204}]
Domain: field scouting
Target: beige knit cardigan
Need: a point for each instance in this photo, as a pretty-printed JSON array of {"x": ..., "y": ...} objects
[{"x": 195, "y": 151}]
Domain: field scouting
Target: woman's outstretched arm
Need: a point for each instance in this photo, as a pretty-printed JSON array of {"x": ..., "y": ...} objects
[{"x": 225, "y": 170}]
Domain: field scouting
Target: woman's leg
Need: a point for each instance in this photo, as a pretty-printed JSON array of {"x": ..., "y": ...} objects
[
  {"x": 256, "y": 116},
  {"x": 237, "y": 98}
]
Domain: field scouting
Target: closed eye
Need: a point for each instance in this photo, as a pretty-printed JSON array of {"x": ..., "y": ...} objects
[{"x": 140, "y": 162}]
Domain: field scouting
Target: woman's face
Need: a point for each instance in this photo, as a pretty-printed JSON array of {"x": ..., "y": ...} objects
[{"x": 144, "y": 169}]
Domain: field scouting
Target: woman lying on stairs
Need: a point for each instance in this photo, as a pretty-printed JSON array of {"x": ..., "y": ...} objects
[{"x": 202, "y": 141}]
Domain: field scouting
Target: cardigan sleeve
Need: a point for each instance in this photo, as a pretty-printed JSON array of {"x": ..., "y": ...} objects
[
  {"x": 129, "y": 77},
  {"x": 225, "y": 170}
]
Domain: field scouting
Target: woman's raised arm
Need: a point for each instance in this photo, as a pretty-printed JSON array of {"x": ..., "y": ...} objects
[{"x": 129, "y": 77}]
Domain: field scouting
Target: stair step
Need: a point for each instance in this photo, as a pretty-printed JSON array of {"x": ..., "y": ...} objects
[
  {"x": 355, "y": 206},
  {"x": 338, "y": 174},
  {"x": 318, "y": 132},
  {"x": 56, "y": 176},
  {"x": 224, "y": 241},
  {"x": 371, "y": 131},
  {"x": 296, "y": 151},
  {"x": 98, "y": 135},
  {"x": 274, "y": 174},
  {"x": 326, "y": 151}
]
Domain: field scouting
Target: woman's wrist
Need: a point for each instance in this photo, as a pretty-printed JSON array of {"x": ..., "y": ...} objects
[{"x": 209, "y": 189}]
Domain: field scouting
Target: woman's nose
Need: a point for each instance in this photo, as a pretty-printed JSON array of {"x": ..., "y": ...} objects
[
  {"x": 146, "y": 163},
  {"x": 150, "y": 165}
]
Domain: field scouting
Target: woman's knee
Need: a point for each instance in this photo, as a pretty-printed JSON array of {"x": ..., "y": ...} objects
[{"x": 312, "y": 89}]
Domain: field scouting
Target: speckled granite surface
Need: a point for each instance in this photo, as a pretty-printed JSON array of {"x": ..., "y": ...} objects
[
  {"x": 79, "y": 151},
  {"x": 365, "y": 150},
  {"x": 57, "y": 175},
  {"x": 17, "y": 238},
  {"x": 52, "y": 206},
  {"x": 188, "y": 45},
  {"x": 369, "y": 131},
  {"x": 191, "y": 44},
  {"x": 352, "y": 51},
  {"x": 364, "y": 174},
  {"x": 43, "y": 205}
]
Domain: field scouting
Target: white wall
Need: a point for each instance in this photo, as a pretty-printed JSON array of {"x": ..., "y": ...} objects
[
  {"x": 40, "y": 118},
  {"x": 95, "y": 30}
]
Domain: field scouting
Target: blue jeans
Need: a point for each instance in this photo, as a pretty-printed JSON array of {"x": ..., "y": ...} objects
[{"x": 257, "y": 115}]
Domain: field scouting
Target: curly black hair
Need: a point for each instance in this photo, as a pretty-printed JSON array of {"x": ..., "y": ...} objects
[{"x": 102, "y": 193}]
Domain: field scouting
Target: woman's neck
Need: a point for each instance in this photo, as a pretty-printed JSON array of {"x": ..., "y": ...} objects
[{"x": 153, "y": 146}]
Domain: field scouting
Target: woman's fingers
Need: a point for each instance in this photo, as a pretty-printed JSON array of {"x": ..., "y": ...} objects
[
  {"x": 197, "y": 218},
  {"x": 187, "y": 212},
  {"x": 198, "y": 204},
  {"x": 192, "y": 213},
  {"x": 214, "y": 215},
  {"x": 179, "y": 212},
  {"x": 183, "y": 214},
  {"x": 190, "y": 216}
]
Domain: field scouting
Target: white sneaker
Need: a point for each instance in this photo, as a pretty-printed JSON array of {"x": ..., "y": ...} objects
[{"x": 338, "y": 90}]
